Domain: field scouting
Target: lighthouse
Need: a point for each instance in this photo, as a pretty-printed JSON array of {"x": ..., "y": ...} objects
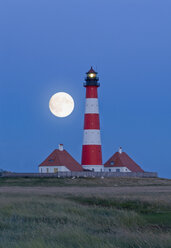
[{"x": 91, "y": 149}]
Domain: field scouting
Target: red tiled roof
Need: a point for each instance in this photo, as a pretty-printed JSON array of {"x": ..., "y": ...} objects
[
  {"x": 91, "y": 71},
  {"x": 62, "y": 158},
  {"x": 123, "y": 160}
]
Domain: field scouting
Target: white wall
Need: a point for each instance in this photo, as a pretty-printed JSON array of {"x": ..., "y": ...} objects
[
  {"x": 43, "y": 169},
  {"x": 97, "y": 168},
  {"x": 114, "y": 169}
]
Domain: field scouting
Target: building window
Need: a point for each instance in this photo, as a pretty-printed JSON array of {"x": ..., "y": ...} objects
[
  {"x": 51, "y": 160},
  {"x": 47, "y": 170},
  {"x": 112, "y": 163},
  {"x": 41, "y": 170},
  {"x": 117, "y": 170},
  {"x": 109, "y": 170}
]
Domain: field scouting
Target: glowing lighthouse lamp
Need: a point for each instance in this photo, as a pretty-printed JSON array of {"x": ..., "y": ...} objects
[{"x": 91, "y": 149}]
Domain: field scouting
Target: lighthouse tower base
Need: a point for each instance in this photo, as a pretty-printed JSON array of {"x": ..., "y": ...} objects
[{"x": 96, "y": 168}]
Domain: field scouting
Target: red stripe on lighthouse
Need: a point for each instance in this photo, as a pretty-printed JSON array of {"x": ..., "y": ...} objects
[
  {"x": 91, "y": 92},
  {"x": 91, "y": 155},
  {"x": 91, "y": 121}
]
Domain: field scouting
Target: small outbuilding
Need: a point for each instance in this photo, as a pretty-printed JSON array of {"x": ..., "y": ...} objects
[
  {"x": 121, "y": 162},
  {"x": 59, "y": 161}
]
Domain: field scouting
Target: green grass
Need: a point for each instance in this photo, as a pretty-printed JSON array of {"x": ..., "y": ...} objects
[
  {"x": 84, "y": 182},
  {"x": 152, "y": 212},
  {"x": 31, "y": 221},
  {"x": 84, "y": 220}
]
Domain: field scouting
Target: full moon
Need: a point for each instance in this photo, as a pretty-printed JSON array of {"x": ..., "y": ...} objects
[{"x": 61, "y": 104}]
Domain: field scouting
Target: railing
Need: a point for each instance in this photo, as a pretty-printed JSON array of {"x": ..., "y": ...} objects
[
  {"x": 83, "y": 174},
  {"x": 89, "y": 83}
]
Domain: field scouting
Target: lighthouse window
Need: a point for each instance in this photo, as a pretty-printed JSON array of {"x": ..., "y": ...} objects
[{"x": 112, "y": 162}]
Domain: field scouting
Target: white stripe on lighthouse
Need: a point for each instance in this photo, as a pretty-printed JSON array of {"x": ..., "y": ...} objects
[
  {"x": 92, "y": 106},
  {"x": 91, "y": 137}
]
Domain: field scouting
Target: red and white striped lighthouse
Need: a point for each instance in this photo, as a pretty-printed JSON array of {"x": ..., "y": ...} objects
[{"x": 91, "y": 150}]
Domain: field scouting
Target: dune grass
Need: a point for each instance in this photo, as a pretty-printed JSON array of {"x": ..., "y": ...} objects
[
  {"x": 83, "y": 221},
  {"x": 84, "y": 182}
]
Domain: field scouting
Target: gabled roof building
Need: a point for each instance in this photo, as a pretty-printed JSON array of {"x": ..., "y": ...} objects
[
  {"x": 59, "y": 161},
  {"x": 121, "y": 162}
]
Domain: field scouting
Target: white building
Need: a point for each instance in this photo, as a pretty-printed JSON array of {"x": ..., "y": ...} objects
[
  {"x": 121, "y": 162},
  {"x": 59, "y": 161}
]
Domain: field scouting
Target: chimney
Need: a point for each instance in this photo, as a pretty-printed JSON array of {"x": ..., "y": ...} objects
[
  {"x": 120, "y": 149},
  {"x": 61, "y": 147}
]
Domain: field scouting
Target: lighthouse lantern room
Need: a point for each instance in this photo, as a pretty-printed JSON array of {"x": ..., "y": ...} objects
[{"x": 91, "y": 149}]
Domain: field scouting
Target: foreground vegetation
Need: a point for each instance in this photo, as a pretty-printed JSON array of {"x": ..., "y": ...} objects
[
  {"x": 84, "y": 182},
  {"x": 87, "y": 218}
]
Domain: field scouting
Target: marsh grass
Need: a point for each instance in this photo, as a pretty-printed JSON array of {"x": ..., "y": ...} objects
[
  {"x": 83, "y": 182},
  {"x": 48, "y": 221},
  {"x": 83, "y": 221}
]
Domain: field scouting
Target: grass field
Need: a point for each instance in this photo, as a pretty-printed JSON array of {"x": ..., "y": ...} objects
[{"x": 84, "y": 213}]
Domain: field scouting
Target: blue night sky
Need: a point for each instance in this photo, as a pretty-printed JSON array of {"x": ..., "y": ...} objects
[{"x": 46, "y": 46}]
